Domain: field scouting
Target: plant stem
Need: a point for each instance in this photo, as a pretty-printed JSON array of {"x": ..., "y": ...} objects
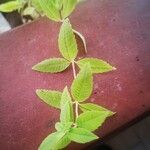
[
  {"x": 74, "y": 70},
  {"x": 76, "y": 103},
  {"x": 76, "y": 109}
]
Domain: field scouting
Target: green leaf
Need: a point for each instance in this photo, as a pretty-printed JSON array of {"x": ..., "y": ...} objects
[
  {"x": 63, "y": 127},
  {"x": 54, "y": 141},
  {"x": 29, "y": 11},
  {"x": 94, "y": 107},
  {"x": 59, "y": 126},
  {"x": 91, "y": 120},
  {"x": 10, "y": 6},
  {"x": 51, "y": 98},
  {"x": 52, "y": 65},
  {"x": 62, "y": 143},
  {"x": 82, "y": 38},
  {"x": 67, "y": 42},
  {"x": 58, "y": 5},
  {"x": 68, "y": 7},
  {"x": 81, "y": 135},
  {"x": 51, "y": 140},
  {"x": 50, "y": 9},
  {"x": 66, "y": 107},
  {"x": 82, "y": 86},
  {"x": 37, "y": 5},
  {"x": 97, "y": 65}
]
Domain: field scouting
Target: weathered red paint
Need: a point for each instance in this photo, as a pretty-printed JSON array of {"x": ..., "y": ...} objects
[{"x": 116, "y": 31}]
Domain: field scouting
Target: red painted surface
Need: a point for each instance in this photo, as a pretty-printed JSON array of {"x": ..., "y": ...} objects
[{"x": 117, "y": 31}]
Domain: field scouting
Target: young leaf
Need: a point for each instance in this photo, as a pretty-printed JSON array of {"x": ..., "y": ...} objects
[
  {"x": 52, "y": 65},
  {"x": 91, "y": 120},
  {"x": 81, "y": 135},
  {"x": 67, "y": 42},
  {"x": 63, "y": 127},
  {"x": 29, "y": 11},
  {"x": 52, "y": 98},
  {"x": 82, "y": 86},
  {"x": 66, "y": 107},
  {"x": 57, "y": 140},
  {"x": 68, "y": 7},
  {"x": 62, "y": 143},
  {"x": 10, "y": 6},
  {"x": 50, "y": 9},
  {"x": 59, "y": 126},
  {"x": 82, "y": 38},
  {"x": 97, "y": 65},
  {"x": 94, "y": 107}
]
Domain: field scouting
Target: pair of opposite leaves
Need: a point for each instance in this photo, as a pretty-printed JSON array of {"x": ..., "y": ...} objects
[
  {"x": 68, "y": 48},
  {"x": 92, "y": 117}
]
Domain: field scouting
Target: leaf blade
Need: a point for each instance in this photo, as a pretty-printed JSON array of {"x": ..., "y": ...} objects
[
  {"x": 63, "y": 142},
  {"x": 91, "y": 120},
  {"x": 68, "y": 7},
  {"x": 63, "y": 127},
  {"x": 94, "y": 107},
  {"x": 97, "y": 65},
  {"x": 66, "y": 114},
  {"x": 67, "y": 42},
  {"x": 52, "y": 65},
  {"x": 50, "y": 10},
  {"x": 51, "y": 98},
  {"x": 82, "y": 86},
  {"x": 57, "y": 140},
  {"x": 37, "y": 5},
  {"x": 10, "y": 6},
  {"x": 81, "y": 135}
]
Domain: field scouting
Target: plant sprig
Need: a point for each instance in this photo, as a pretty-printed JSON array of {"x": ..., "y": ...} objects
[
  {"x": 78, "y": 119},
  {"x": 78, "y": 129},
  {"x": 68, "y": 49}
]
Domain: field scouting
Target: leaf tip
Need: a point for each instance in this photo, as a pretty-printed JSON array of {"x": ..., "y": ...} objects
[
  {"x": 114, "y": 68},
  {"x": 113, "y": 113},
  {"x": 34, "y": 67},
  {"x": 66, "y": 88},
  {"x": 97, "y": 137},
  {"x": 37, "y": 91}
]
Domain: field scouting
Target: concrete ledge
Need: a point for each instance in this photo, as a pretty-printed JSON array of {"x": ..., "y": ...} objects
[{"x": 117, "y": 31}]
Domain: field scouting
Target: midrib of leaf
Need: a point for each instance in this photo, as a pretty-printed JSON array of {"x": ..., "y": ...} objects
[{"x": 98, "y": 67}]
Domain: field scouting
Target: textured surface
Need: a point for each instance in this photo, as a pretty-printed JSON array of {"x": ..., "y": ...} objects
[
  {"x": 139, "y": 137},
  {"x": 117, "y": 31}
]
